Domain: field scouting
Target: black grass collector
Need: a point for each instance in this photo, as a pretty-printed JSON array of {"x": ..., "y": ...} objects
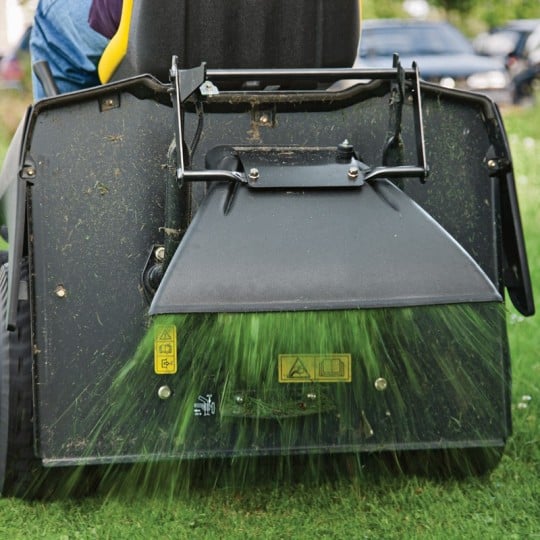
[{"x": 256, "y": 254}]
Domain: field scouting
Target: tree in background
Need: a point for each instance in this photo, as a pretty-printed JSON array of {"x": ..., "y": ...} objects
[
  {"x": 382, "y": 9},
  {"x": 463, "y": 7},
  {"x": 500, "y": 11}
]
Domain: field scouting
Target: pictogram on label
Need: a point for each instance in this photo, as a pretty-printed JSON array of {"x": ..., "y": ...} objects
[
  {"x": 165, "y": 355},
  {"x": 205, "y": 406},
  {"x": 299, "y": 368}
]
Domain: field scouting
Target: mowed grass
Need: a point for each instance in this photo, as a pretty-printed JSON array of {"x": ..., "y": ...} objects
[{"x": 382, "y": 505}]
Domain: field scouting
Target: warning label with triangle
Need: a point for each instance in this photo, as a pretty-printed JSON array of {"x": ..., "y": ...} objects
[
  {"x": 165, "y": 333},
  {"x": 301, "y": 368},
  {"x": 165, "y": 352},
  {"x": 298, "y": 370}
]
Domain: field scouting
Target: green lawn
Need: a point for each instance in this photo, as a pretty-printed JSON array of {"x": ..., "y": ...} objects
[{"x": 383, "y": 505}]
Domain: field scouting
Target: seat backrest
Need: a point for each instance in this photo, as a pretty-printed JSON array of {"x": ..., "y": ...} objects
[{"x": 228, "y": 34}]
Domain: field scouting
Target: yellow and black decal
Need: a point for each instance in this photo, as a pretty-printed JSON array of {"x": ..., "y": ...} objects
[
  {"x": 301, "y": 368},
  {"x": 165, "y": 355}
]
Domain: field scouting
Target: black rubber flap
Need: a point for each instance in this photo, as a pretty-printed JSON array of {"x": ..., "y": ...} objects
[{"x": 315, "y": 250}]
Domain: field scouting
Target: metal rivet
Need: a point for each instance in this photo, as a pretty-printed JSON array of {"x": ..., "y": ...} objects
[
  {"x": 381, "y": 384},
  {"x": 164, "y": 392},
  {"x": 264, "y": 119},
  {"x": 60, "y": 291},
  {"x": 239, "y": 399},
  {"x": 159, "y": 253},
  {"x": 312, "y": 396},
  {"x": 30, "y": 171},
  {"x": 254, "y": 174},
  {"x": 492, "y": 164},
  {"x": 353, "y": 172}
]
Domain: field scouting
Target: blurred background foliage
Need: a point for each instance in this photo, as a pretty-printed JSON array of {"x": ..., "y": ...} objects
[{"x": 472, "y": 16}]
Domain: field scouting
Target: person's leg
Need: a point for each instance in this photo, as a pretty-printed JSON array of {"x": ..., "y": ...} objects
[{"x": 61, "y": 36}]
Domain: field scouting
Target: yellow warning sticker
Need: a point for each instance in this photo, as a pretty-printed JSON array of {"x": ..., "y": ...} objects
[
  {"x": 165, "y": 355},
  {"x": 302, "y": 368}
]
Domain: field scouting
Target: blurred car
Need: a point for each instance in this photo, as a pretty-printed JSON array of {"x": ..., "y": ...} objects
[
  {"x": 508, "y": 42},
  {"x": 527, "y": 73},
  {"x": 502, "y": 40},
  {"x": 518, "y": 44},
  {"x": 442, "y": 52}
]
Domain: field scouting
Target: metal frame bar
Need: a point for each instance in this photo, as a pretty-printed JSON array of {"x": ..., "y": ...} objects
[{"x": 189, "y": 78}]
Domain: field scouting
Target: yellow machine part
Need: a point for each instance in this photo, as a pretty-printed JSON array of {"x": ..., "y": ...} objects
[{"x": 117, "y": 47}]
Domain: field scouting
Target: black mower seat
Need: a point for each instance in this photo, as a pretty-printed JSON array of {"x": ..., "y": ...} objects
[{"x": 229, "y": 34}]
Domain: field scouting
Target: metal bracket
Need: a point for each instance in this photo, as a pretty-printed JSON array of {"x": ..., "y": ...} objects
[
  {"x": 393, "y": 148},
  {"x": 185, "y": 82}
]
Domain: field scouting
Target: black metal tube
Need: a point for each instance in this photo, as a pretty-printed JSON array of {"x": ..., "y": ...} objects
[
  {"x": 44, "y": 74},
  {"x": 177, "y": 207},
  {"x": 319, "y": 74}
]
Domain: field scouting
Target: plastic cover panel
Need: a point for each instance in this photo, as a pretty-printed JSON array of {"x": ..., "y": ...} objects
[{"x": 295, "y": 250}]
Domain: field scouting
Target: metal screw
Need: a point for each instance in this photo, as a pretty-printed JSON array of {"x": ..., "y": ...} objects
[
  {"x": 381, "y": 384},
  {"x": 239, "y": 399},
  {"x": 109, "y": 102},
  {"x": 159, "y": 253},
  {"x": 254, "y": 174},
  {"x": 164, "y": 392},
  {"x": 353, "y": 173},
  {"x": 264, "y": 119},
  {"x": 60, "y": 291},
  {"x": 492, "y": 163}
]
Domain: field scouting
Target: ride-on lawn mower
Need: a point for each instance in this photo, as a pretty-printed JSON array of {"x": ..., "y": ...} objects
[{"x": 239, "y": 246}]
